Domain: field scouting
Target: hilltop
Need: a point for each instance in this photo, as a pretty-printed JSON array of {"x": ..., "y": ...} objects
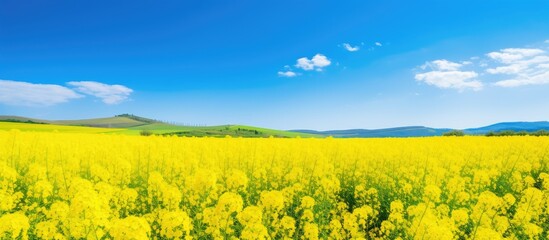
[
  {"x": 135, "y": 125},
  {"x": 411, "y": 131}
]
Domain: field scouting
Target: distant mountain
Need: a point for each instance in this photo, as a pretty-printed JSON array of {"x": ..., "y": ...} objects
[
  {"x": 411, "y": 131},
  {"x": 513, "y": 126},
  {"x": 421, "y": 131}
]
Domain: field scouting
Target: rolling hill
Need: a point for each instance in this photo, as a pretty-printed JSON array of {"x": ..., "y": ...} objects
[
  {"x": 135, "y": 125},
  {"x": 112, "y": 122},
  {"x": 513, "y": 126},
  {"x": 18, "y": 119},
  {"x": 54, "y": 128},
  {"x": 421, "y": 131},
  {"x": 411, "y": 131}
]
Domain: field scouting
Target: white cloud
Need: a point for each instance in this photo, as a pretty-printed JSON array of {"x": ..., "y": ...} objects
[
  {"x": 30, "y": 94},
  {"x": 321, "y": 61},
  {"x": 442, "y": 65},
  {"x": 350, "y": 48},
  {"x": 378, "y": 44},
  {"x": 287, "y": 74},
  {"x": 537, "y": 79},
  {"x": 318, "y": 62},
  {"x": 447, "y": 74},
  {"x": 510, "y": 55},
  {"x": 509, "y": 67},
  {"x": 547, "y": 41},
  {"x": 109, "y": 94},
  {"x": 305, "y": 64},
  {"x": 524, "y": 66},
  {"x": 460, "y": 80},
  {"x": 543, "y": 66},
  {"x": 519, "y": 66}
]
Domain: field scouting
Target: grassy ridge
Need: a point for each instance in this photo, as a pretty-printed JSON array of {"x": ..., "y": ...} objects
[
  {"x": 51, "y": 128},
  {"x": 212, "y": 131},
  {"x": 232, "y": 130},
  {"x": 112, "y": 122},
  {"x": 132, "y": 125}
]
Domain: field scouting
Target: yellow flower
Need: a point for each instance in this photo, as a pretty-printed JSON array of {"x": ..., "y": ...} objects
[
  {"x": 229, "y": 203},
  {"x": 58, "y": 211},
  {"x": 272, "y": 201},
  {"x": 131, "y": 228},
  {"x": 14, "y": 225},
  {"x": 460, "y": 216},
  {"x": 287, "y": 225},
  {"x": 46, "y": 230},
  {"x": 483, "y": 233},
  {"x": 250, "y": 215},
  {"x": 237, "y": 180},
  {"x": 175, "y": 224},
  {"x": 255, "y": 231},
  {"x": 307, "y": 202},
  {"x": 432, "y": 194},
  {"x": 308, "y": 216},
  {"x": 310, "y": 231},
  {"x": 397, "y": 206}
]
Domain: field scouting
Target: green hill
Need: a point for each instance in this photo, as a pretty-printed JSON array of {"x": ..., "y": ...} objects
[
  {"x": 212, "y": 131},
  {"x": 6, "y": 126},
  {"x": 135, "y": 125},
  {"x": 112, "y": 122},
  {"x": 18, "y": 119}
]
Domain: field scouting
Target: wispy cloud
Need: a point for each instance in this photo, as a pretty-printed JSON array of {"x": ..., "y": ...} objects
[
  {"x": 447, "y": 75},
  {"x": 442, "y": 65},
  {"x": 509, "y": 67},
  {"x": 109, "y": 94},
  {"x": 510, "y": 55},
  {"x": 318, "y": 62},
  {"x": 378, "y": 44},
  {"x": 19, "y": 93},
  {"x": 287, "y": 74},
  {"x": 350, "y": 48},
  {"x": 521, "y": 66}
]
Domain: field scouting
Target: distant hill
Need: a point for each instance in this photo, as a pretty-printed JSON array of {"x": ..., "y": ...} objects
[
  {"x": 411, "y": 131},
  {"x": 135, "y": 125},
  {"x": 138, "y": 118},
  {"x": 112, "y": 122},
  {"x": 513, "y": 126},
  {"x": 421, "y": 131},
  {"x": 18, "y": 119}
]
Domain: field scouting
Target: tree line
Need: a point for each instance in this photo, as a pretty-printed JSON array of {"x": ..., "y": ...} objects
[{"x": 539, "y": 133}]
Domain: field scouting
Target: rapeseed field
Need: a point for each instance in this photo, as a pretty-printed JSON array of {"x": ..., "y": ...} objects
[{"x": 104, "y": 186}]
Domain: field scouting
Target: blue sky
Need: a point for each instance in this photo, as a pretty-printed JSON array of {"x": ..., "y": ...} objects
[{"x": 278, "y": 64}]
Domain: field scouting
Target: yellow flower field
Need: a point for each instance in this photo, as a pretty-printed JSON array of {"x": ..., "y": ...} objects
[{"x": 96, "y": 186}]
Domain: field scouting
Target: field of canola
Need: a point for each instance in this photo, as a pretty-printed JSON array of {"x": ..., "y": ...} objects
[{"x": 94, "y": 186}]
